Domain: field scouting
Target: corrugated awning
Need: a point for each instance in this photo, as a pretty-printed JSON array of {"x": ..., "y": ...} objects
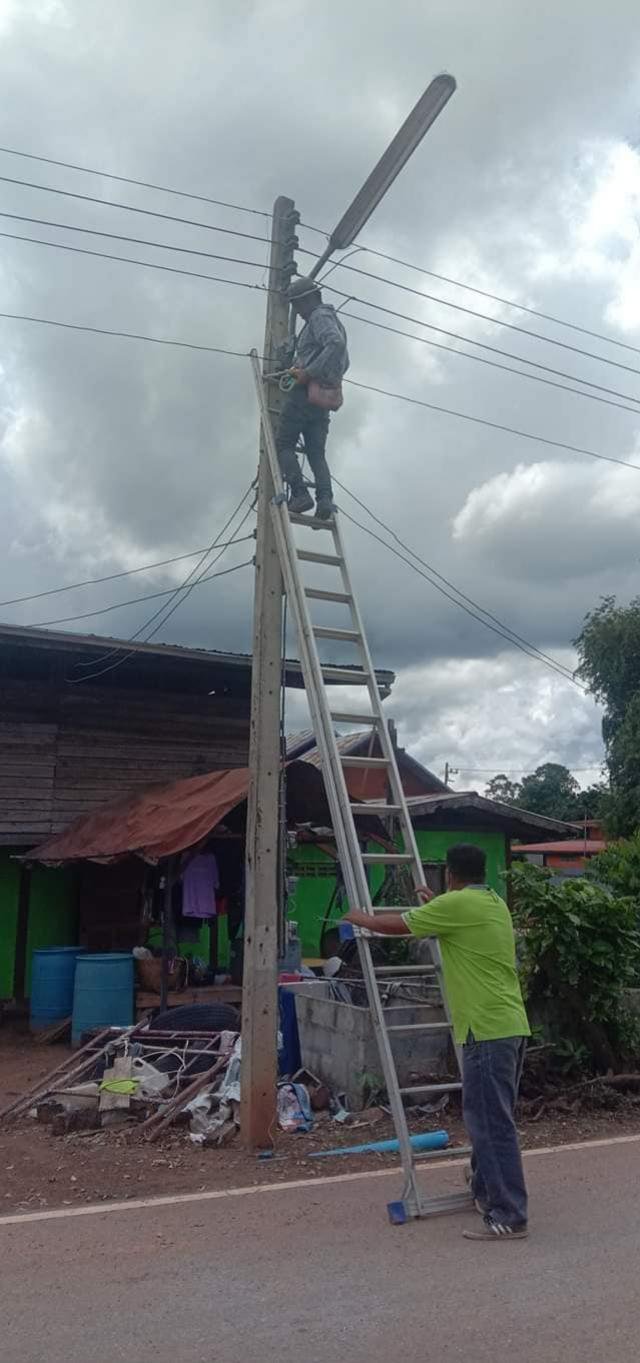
[{"x": 168, "y": 819}]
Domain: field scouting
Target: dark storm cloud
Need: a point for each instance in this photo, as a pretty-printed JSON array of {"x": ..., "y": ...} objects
[{"x": 115, "y": 451}]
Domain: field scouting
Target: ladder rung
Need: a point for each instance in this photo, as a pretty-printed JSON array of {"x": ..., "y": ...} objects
[
  {"x": 380, "y": 810},
  {"x": 346, "y": 675},
  {"x": 414, "y": 1089},
  {"x": 308, "y": 556},
  {"x": 419, "y": 1026},
  {"x": 317, "y": 594},
  {"x": 344, "y": 636},
  {"x": 449, "y": 1202},
  {"x": 381, "y": 763},
  {"x": 393, "y": 908},
  {"x": 386, "y": 858},
  {"x": 405, "y": 970},
  {"x": 344, "y": 717},
  {"x": 313, "y": 522}
]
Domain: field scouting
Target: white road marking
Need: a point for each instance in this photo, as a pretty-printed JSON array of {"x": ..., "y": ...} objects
[{"x": 213, "y": 1195}]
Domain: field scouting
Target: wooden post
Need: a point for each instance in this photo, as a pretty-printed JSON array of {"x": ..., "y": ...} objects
[
  {"x": 167, "y": 933},
  {"x": 260, "y": 994}
]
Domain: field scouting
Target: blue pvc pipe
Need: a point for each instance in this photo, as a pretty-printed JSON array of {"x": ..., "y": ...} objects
[{"x": 428, "y": 1140}]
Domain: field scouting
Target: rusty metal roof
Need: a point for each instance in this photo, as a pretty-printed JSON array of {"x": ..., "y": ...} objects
[{"x": 168, "y": 819}]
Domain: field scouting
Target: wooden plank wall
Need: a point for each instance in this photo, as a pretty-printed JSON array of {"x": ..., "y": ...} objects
[{"x": 65, "y": 752}]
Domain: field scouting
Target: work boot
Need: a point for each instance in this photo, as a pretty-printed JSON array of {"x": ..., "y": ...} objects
[
  {"x": 325, "y": 509},
  {"x": 300, "y": 501}
]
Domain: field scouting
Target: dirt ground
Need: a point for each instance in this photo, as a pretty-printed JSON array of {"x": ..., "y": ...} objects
[{"x": 39, "y": 1170}]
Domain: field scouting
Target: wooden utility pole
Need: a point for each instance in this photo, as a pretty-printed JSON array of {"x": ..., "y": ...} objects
[{"x": 260, "y": 992}]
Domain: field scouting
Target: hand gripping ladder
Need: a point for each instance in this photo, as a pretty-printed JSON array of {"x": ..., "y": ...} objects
[{"x": 353, "y": 860}]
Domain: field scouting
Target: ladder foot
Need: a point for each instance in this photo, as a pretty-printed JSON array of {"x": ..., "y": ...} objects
[{"x": 397, "y": 1213}]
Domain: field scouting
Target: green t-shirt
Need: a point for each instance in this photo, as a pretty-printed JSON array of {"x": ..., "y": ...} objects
[{"x": 474, "y": 929}]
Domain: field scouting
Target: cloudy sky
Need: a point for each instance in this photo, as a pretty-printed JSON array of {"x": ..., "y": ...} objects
[{"x": 119, "y": 452}]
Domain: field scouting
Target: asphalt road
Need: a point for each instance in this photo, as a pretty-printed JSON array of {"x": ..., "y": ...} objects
[{"x": 316, "y": 1272}]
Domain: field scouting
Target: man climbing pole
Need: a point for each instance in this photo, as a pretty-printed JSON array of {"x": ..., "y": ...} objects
[{"x": 320, "y": 361}]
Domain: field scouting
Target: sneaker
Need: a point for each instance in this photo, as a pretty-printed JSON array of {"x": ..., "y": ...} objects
[
  {"x": 325, "y": 509},
  {"x": 300, "y": 502},
  {"x": 496, "y": 1230}
]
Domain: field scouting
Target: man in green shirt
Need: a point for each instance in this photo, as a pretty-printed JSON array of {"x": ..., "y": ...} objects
[{"x": 473, "y": 926}]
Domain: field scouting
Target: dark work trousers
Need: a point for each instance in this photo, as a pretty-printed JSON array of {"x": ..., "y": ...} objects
[
  {"x": 491, "y": 1073},
  {"x": 301, "y": 417}
]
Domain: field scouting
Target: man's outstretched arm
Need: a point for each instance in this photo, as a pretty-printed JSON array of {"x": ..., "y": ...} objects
[{"x": 387, "y": 924}]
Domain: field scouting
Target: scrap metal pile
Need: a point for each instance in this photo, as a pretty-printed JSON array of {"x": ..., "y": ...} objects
[{"x": 145, "y": 1078}]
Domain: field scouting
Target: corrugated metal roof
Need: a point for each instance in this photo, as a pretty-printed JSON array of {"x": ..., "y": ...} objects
[
  {"x": 578, "y": 847},
  {"x": 168, "y": 819}
]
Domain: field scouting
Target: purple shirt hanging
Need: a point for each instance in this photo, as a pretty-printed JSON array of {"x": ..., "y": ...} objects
[{"x": 200, "y": 881}]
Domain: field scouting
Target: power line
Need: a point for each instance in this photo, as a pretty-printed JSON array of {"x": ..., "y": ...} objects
[
  {"x": 128, "y": 180},
  {"x": 135, "y": 600},
  {"x": 148, "y": 264},
  {"x": 370, "y": 250},
  {"x": 354, "y": 383},
  {"x": 496, "y": 298},
  {"x": 515, "y": 771},
  {"x": 469, "y": 600},
  {"x": 495, "y": 364},
  {"x": 368, "y": 321},
  {"x": 176, "y": 600},
  {"x": 111, "y": 577},
  {"x": 119, "y": 236},
  {"x": 482, "y": 345},
  {"x": 509, "y": 639},
  {"x": 493, "y": 425},
  {"x": 485, "y": 317},
  {"x": 131, "y": 208}
]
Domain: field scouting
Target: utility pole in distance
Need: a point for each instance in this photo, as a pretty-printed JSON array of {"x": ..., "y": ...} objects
[{"x": 260, "y": 992}]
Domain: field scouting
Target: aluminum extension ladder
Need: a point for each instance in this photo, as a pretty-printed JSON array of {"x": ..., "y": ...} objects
[{"x": 354, "y": 862}]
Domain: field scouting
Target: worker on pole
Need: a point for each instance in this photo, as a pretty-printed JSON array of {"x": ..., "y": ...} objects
[{"x": 320, "y": 361}]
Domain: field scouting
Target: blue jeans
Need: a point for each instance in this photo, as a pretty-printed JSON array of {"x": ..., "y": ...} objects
[
  {"x": 301, "y": 417},
  {"x": 491, "y": 1073}
]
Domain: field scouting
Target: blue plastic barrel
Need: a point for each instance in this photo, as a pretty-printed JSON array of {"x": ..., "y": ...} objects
[
  {"x": 103, "y": 993},
  {"x": 53, "y": 972}
]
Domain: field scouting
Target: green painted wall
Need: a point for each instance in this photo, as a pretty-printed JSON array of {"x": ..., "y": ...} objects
[
  {"x": 433, "y": 845},
  {"x": 9, "y": 878},
  {"x": 315, "y": 889},
  {"x": 52, "y": 916}
]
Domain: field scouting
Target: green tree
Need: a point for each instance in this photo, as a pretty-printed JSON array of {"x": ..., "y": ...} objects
[
  {"x": 501, "y": 788},
  {"x": 579, "y": 950},
  {"x": 551, "y": 790},
  {"x": 618, "y": 867},
  {"x": 609, "y": 651}
]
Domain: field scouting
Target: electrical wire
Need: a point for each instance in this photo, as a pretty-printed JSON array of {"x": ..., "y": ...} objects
[
  {"x": 484, "y": 345},
  {"x": 495, "y": 364},
  {"x": 130, "y": 208},
  {"x": 128, "y": 180},
  {"x": 161, "y": 246},
  {"x": 371, "y": 322},
  {"x": 551, "y": 666},
  {"x": 111, "y": 577},
  {"x": 119, "y": 236},
  {"x": 494, "y": 297},
  {"x": 370, "y": 250},
  {"x": 493, "y": 425},
  {"x": 354, "y": 383},
  {"x": 176, "y": 600},
  {"x": 485, "y": 317},
  {"x": 469, "y": 599},
  {"x": 149, "y": 265},
  {"x": 134, "y": 601}
]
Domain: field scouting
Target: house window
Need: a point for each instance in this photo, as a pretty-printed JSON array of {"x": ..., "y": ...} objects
[{"x": 434, "y": 876}]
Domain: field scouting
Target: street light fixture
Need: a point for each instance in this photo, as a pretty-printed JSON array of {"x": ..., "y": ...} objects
[{"x": 408, "y": 137}]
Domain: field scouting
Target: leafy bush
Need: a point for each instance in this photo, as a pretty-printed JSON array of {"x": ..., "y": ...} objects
[
  {"x": 618, "y": 867},
  {"x": 579, "y": 950}
]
